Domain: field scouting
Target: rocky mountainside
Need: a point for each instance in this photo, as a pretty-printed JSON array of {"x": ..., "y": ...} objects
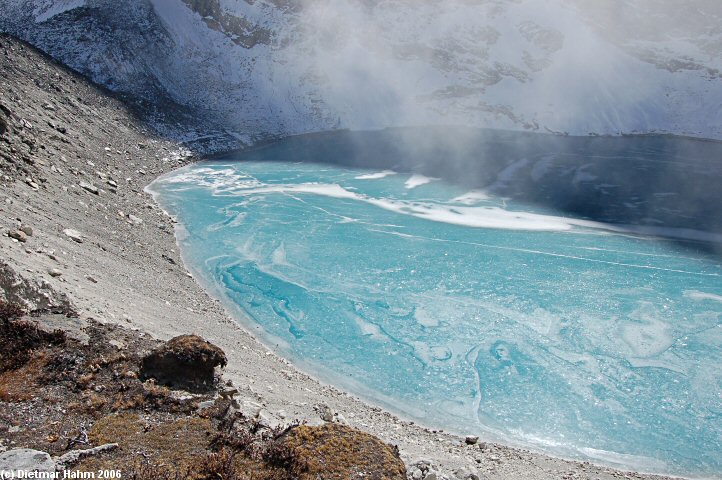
[{"x": 249, "y": 69}]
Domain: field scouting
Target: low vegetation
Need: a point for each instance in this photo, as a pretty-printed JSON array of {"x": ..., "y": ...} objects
[{"x": 58, "y": 393}]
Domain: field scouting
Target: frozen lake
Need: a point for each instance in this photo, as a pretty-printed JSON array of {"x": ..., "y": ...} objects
[{"x": 481, "y": 305}]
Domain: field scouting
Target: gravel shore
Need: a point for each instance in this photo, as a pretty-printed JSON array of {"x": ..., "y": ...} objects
[{"x": 75, "y": 162}]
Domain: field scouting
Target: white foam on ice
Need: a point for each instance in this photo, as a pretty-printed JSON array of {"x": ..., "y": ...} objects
[
  {"x": 229, "y": 182},
  {"x": 424, "y": 318},
  {"x": 476, "y": 217},
  {"x": 697, "y": 295},
  {"x": 655, "y": 363},
  {"x": 278, "y": 257},
  {"x": 472, "y": 197},
  {"x": 624, "y": 459},
  {"x": 370, "y": 330},
  {"x": 429, "y": 354},
  {"x": 647, "y": 335},
  {"x": 417, "y": 180},
  {"x": 375, "y": 176}
]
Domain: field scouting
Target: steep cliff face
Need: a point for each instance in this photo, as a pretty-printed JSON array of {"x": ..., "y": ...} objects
[{"x": 247, "y": 69}]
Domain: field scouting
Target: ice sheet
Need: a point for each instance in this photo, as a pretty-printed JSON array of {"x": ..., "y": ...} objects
[{"x": 469, "y": 312}]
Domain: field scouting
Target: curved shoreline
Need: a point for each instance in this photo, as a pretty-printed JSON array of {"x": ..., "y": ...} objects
[{"x": 329, "y": 380}]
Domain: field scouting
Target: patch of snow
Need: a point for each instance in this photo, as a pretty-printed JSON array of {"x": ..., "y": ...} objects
[{"x": 45, "y": 10}]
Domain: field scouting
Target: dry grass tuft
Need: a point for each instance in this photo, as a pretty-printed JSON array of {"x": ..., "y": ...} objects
[
  {"x": 174, "y": 447},
  {"x": 20, "y": 338},
  {"x": 19, "y": 384},
  {"x": 338, "y": 452}
]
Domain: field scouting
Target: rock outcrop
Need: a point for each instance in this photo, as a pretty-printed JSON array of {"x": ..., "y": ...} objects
[{"x": 186, "y": 361}]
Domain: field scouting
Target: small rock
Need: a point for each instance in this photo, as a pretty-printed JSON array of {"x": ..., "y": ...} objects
[
  {"x": 250, "y": 409},
  {"x": 266, "y": 419},
  {"x": 135, "y": 220},
  {"x": 472, "y": 439},
  {"x": 88, "y": 187},
  {"x": 417, "y": 474},
  {"x": 74, "y": 235},
  {"x": 27, "y": 230},
  {"x": 168, "y": 259},
  {"x": 431, "y": 475},
  {"x": 325, "y": 412},
  {"x": 18, "y": 235},
  {"x": 74, "y": 456},
  {"x": 91, "y": 279},
  {"x": 54, "y": 272},
  {"x": 205, "y": 405},
  {"x": 466, "y": 474}
]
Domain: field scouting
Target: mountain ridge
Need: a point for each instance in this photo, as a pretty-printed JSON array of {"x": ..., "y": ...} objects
[{"x": 247, "y": 70}]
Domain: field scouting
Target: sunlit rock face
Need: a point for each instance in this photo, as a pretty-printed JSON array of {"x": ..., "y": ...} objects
[{"x": 252, "y": 69}]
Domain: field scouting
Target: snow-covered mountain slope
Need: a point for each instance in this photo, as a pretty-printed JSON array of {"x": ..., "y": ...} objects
[{"x": 269, "y": 67}]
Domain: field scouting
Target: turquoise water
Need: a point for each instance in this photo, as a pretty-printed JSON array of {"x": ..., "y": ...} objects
[{"x": 467, "y": 311}]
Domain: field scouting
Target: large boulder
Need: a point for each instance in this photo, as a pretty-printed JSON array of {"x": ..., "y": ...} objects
[
  {"x": 186, "y": 362},
  {"x": 26, "y": 461}
]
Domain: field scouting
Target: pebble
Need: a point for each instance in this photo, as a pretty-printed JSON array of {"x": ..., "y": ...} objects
[
  {"x": 74, "y": 235},
  {"x": 88, "y": 187},
  {"x": 325, "y": 412},
  {"x": 54, "y": 272},
  {"x": 27, "y": 230},
  {"x": 472, "y": 439},
  {"x": 466, "y": 474},
  {"x": 265, "y": 419},
  {"x": 205, "y": 405},
  {"x": 18, "y": 235}
]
